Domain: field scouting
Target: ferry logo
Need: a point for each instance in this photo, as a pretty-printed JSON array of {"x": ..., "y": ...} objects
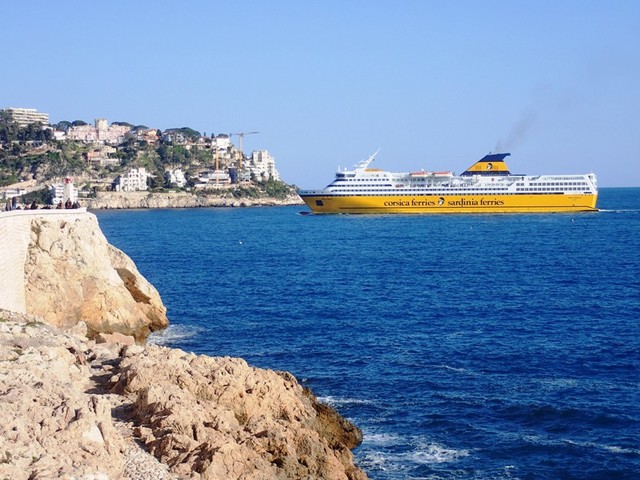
[
  {"x": 441, "y": 201},
  {"x": 489, "y": 166}
]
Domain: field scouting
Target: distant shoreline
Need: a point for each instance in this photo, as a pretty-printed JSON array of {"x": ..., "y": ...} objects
[{"x": 138, "y": 200}]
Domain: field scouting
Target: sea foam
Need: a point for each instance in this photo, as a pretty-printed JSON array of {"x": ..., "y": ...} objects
[{"x": 173, "y": 335}]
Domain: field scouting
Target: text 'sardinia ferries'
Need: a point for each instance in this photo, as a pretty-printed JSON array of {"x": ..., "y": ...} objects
[{"x": 486, "y": 187}]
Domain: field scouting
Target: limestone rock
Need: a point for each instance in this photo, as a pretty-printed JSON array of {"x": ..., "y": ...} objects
[
  {"x": 116, "y": 338},
  {"x": 49, "y": 426},
  {"x": 219, "y": 418},
  {"x": 73, "y": 274},
  {"x": 69, "y": 408}
]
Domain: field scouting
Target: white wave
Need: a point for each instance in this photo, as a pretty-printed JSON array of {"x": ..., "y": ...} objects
[
  {"x": 433, "y": 453},
  {"x": 614, "y": 449},
  {"x": 338, "y": 401},
  {"x": 375, "y": 461},
  {"x": 375, "y": 454},
  {"x": 536, "y": 439},
  {"x": 379, "y": 439},
  {"x": 609, "y": 448},
  {"x": 455, "y": 369},
  {"x": 558, "y": 382},
  {"x": 622, "y": 210},
  {"x": 173, "y": 334},
  {"x": 509, "y": 471},
  {"x": 540, "y": 440}
]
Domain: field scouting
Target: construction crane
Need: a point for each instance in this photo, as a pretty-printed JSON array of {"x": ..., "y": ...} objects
[
  {"x": 241, "y": 135},
  {"x": 216, "y": 172}
]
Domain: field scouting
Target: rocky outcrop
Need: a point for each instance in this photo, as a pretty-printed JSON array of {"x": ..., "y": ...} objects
[
  {"x": 73, "y": 408},
  {"x": 50, "y": 427},
  {"x": 105, "y": 200},
  {"x": 63, "y": 269},
  {"x": 225, "y": 419}
]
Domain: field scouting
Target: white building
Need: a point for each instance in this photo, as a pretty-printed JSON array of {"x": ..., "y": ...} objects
[
  {"x": 211, "y": 178},
  {"x": 26, "y": 116},
  {"x": 222, "y": 141},
  {"x": 175, "y": 177},
  {"x": 263, "y": 166},
  {"x": 58, "y": 135},
  {"x": 132, "y": 181},
  {"x": 62, "y": 192}
]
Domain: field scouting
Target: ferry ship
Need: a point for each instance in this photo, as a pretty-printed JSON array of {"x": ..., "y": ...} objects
[{"x": 486, "y": 187}]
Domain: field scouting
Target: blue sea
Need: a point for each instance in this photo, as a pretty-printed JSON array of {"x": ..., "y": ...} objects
[{"x": 464, "y": 347}]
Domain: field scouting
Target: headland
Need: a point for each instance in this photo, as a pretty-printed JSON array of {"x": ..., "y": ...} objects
[{"x": 83, "y": 395}]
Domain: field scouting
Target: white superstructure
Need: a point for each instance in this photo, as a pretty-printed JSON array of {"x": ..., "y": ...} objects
[{"x": 372, "y": 181}]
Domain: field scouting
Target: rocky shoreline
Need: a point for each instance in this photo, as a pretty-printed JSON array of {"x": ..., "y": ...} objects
[
  {"x": 83, "y": 397},
  {"x": 98, "y": 409},
  {"x": 125, "y": 200}
]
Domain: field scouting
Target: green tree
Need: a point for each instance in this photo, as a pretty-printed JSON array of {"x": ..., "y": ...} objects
[{"x": 62, "y": 126}]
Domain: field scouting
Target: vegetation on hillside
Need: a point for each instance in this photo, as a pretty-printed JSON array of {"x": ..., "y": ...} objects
[{"x": 32, "y": 152}]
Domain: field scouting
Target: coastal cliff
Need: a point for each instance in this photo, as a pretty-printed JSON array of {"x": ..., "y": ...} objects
[
  {"x": 80, "y": 399},
  {"x": 58, "y": 265},
  {"x": 118, "y": 200}
]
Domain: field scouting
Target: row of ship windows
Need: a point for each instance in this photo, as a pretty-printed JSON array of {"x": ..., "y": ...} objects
[
  {"x": 404, "y": 190},
  {"x": 548, "y": 189},
  {"x": 414, "y": 180},
  {"x": 422, "y": 180},
  {"x": 553, "y": 184},
  {"x": 379, "y": 185},
  {"x": 518, "y": 184},
  {"x": 359, "y": 179}
]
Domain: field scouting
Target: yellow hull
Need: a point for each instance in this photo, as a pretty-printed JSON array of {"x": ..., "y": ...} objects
[{"x": 421, "y": 204}]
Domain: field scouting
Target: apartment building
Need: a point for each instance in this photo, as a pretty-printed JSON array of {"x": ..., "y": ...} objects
[
  {"x": 133, "y": 181},
  {"x": 26, "y": 116},
  {"x": 263, "y": 166},
  {"x": 212, "y": 178},
  {"x": 175, "y": 177}
]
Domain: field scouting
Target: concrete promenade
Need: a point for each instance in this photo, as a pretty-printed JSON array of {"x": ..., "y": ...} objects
[{"x": 15, "y": 235}]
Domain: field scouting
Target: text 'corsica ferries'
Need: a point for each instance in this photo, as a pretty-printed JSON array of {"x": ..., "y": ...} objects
[{"x": 486, "y": 187}]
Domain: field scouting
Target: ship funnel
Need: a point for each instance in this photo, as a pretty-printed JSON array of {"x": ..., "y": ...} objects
[{"x": 492, "y": 164}]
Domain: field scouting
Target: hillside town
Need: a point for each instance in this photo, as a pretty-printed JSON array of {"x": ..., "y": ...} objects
[{"x": 84, "y": 159}]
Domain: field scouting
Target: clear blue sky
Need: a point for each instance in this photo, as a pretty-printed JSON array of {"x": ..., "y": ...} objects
[{"x": 434, "y": 84}]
